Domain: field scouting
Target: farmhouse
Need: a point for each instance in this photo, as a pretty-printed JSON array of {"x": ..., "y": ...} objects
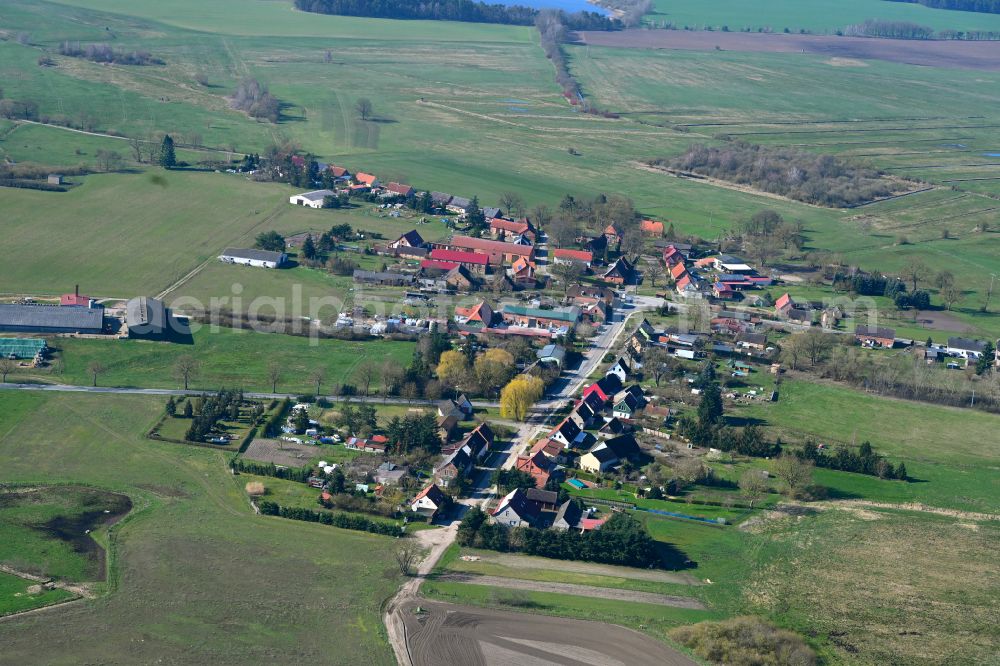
[
  {"x": 757, "y": 341},
  {"x": 374, "y": 445},
  {"x": 410, "y": 239},
  {"x": 251, "y": 257},
  {"x": 502, "y": 228},
  {"x": 605, "y": 388},
  {"x": 538, "y": 466},
  {"x": 440, "y": 199},
  {"x": 620, "y": 272},
  {"x": 875, "y": 336},
  {"x": 146, "y": 317},
  {"x": 651, "y": 228},
  {"x": 312, "y": 199},
  {"x": 366, "y": 180},
  {"x": 472, "y": 261},
  {"x": 50, "y": 319},
  {"x": 429, "y": 501},
  {"x": 458, "y": 205},
  {"x": 454, "y": 467},
  {"x": 567, "y": 256},
  {"x": 479, "y": 315},
  {"x": 519, "y": 315},
  {"x": 398, "y": 190},
  {"x": 515, "y": 510},
  {"x": 498, "y": 251}
]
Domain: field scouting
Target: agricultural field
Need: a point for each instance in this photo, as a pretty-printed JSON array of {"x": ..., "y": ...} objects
[
  {"x": 192, "y": 571},
  {"x": 226, "y": 357},
  {"x": 820, "y": 16}
]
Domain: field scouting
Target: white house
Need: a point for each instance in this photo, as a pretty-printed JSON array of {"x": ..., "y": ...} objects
[
  {"x": 312, "y": 199},
  {"x": 429, "y": 501},
  {"x": 621, "y": 369},
  {"x": 250, "y": 257}
]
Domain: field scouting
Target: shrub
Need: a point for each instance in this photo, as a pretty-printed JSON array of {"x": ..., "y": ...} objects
[{"x": 745, "y": 641}]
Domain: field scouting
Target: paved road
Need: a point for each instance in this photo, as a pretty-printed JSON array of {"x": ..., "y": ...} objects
[
  {"x": 482, "y": 490},
  {"x": 70, "y": 388}
]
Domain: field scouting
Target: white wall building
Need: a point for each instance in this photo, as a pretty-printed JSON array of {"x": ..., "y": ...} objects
[
  {"x": 258, "y": 258},
  {"x": 312, "y": 199}
]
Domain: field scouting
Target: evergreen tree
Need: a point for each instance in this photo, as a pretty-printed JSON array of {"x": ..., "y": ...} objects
[
  {"x": 901, "y": 472},
  {"x": 188, "y": 409},
  {"x": 171, "y": 407},
  {"x": 309, "y": 248},
  {"x": 986, "y": 360},
  {"x": 710, "y": 407},
  {"x": 168, "y": 159}
]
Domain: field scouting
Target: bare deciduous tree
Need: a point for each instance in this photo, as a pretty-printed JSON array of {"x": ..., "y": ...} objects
[
  {"x": 654, "y": 271},
  {"x": 364, "y": 108},
  {"x": 365, "y": 374},
  {"x": 95, "y": 368},
  {"x": 7, "y": 366},
  {"x": 796, "y": 473},
  {"x": 407, "y": 556},
  {"x": 273, "y": 375},
  {"x": 753, "y": 486},
  {"x": 316, "y": 377},
  {"x": 186, "y": 367},
  {"x": 512, "y": 203}
]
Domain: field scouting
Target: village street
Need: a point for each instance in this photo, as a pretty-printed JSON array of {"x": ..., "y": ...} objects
[{"x": 482, "y": 491}]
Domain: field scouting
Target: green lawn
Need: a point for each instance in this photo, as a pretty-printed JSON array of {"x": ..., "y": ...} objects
[
  {"x": 15, "y": 597},
  {"x": 194, "y": 572},
  {"x": 227, "y": 358}
]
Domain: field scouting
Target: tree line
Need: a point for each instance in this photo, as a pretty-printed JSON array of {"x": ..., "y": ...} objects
[
  {"x": 453, "y": 10},
  {"x": 863, "y": 461},
  {"x": 105, "y": 53},
  {"x": 342, "y": 520},
  {"x": 223, "y": 405},
  {"x": 300, "y": 474},
  {"x": 817, "y": 179},
  {"x": 909, "y": 30},
  {"x": 622, "y": 540},
  {"x": 981, "y": 6}
]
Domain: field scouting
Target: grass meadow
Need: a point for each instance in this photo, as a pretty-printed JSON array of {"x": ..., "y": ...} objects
[
  {"x": 227, "y": 358},
  {"x": 951, "y": 453},
  {"x": 821, "y": 16},
  {"x": 195, "y": 576},
  {"x": 17, "y": 595}
]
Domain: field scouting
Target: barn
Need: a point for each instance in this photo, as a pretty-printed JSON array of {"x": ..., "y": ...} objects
[{"x": 251, "y": 257}]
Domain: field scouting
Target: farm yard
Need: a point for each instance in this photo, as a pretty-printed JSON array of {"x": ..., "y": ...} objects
[{"x": 171, "y": 560}]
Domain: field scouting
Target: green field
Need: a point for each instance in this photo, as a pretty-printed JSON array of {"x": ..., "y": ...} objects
[
  {"x": 822, "y": 16},
  {"x": 194, "y": 573},
  {"x": 16, "y": 597},
  {"x": 227, "y": 358},
  {"x": 951, "y": 452}
]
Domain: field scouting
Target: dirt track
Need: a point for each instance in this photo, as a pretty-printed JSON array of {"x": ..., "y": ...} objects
[
  {"x": 447, "y": 634},
  {"x": 946, "y": 54},
  {"x": 527, "y": 561},
  {"x": 578, "y": 590}
]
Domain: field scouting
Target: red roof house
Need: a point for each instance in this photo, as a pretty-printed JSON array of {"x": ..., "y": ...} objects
[
  {"x": 651, "y": 228},
  {"x": 471, "y": 260},
  {"x": 565, "y": 255},
  {"x": 784, "y": 303}
]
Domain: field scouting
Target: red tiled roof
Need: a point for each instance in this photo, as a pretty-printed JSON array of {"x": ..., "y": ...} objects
[
  {"x": 491, "y": 246},
  {"x": 677, "y": 270},
  {"x": 499, "y": 223},
  {"x": 783, "y": 302},
  {"x": 399, "y": 188},
  {"x": 365, "y": 178},
  {"x": 547, "y": 447},
  {"x": 684, "y": 281},
  {"x": 652, "y": 227},
  {"x": 74, "y": 299},
  {"x": 439, "y": 265},
  {"x": 337, "y": 171},
  {"x": 575, "y": 255},
  {"x": 460, "y": 256},
  {"x": 707, "y": 261}
]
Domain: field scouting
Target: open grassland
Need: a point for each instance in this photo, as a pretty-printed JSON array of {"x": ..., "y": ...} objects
[
  {"x": 126, "y": 235},
  {"x": 950, "y": 453},
  {"x": 19, "y": 594},
  {"x": 842, "y": 578},
  {"x": 822, "y": 16},
  {"x": 196, "y": 577},
  {"x": 227, "y": 358}
]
